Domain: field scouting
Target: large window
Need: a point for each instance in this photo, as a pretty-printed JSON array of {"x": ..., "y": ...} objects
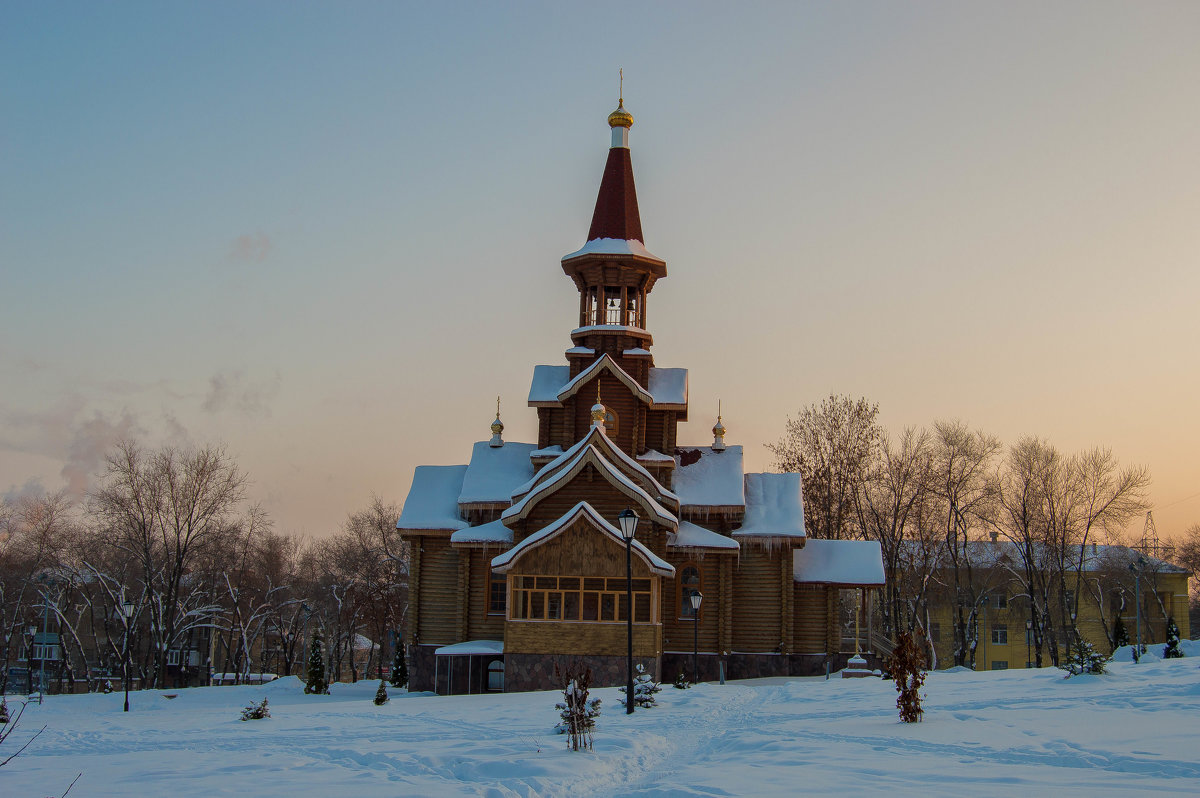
[
  {"x": 689, "y": 583},
  {"x": 578, "y": 598},
  {"x": 1000, "y": 634}
]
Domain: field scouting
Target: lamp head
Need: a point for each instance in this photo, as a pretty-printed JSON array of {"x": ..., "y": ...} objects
[
  {"x": 696, "y": 598},
  {"x": 628, "y": 520}
]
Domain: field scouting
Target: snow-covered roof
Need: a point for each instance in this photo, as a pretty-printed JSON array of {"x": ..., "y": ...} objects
[
  {"x": 774, "y": 506},
  {"x": 494, "y": 471},
  {"x": 714, "y": 480},
  {"x": 590, "y": 454},
  {"x": 669, "y": 386},
  {"x": 613, "y": 246},
  {"x": 839, "y": 562},
  {"x": 470, "y": 647},
  {"x": 432, "y": 501},
  {"x": 492, "y": 532},
  {"x": 505, "y": 561},
  {"x": 581, "y": 350},
  {"x": 654, "y": 456},
  {"x": 637, "y": 351},
  {"x": 691, "y": 536},
  {"x": 1005, "y": 553},
  {"x": 552, "y": 384},
  {"x": 547, "y": 381},
  {"x": 598, "y": 438},
  {"x": 606, "y": 363},
  {"x": 549, "y": 451}
]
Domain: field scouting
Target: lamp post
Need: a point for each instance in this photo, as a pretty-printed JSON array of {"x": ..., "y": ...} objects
[
  {"x": 696, "y": 598},
  {"x": 1028, "y": 635},
  {"x": 29, "y": 659},
  {"x": 1137, "y": 567},
  {"x": 629, "y": 521},
  {"x": 127, "y": 615}
]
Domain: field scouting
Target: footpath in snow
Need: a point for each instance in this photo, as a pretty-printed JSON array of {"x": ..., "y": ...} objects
[{"x": 1133, "y": 730}]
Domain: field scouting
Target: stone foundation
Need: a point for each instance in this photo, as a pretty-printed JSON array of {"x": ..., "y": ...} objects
[{"x": 536, "y": 671}]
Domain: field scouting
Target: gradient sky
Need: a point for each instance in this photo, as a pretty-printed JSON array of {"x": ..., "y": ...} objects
[{"x": 327, "y": 235}]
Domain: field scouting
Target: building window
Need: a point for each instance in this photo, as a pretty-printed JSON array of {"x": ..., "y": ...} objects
[
  {"x": 999, "y": 665},
  {"x": 497, "y": 594},
  {"x": 689, "y": 583},
  {"x": 495, "y": 676},
  {"x": 1000, "y": 634},
  {"x": 612, "y": 421},
  {"x": 595, "y": 599},
  {"x": 45, "y": 651},
  {"x": 1000, "y": 601},
  {"x": 173, "y": 656}
]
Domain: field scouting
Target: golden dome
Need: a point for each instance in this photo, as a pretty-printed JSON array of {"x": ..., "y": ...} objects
[
  {"x": 497, "y": 425},
  {"x": 620, "y": 117}
]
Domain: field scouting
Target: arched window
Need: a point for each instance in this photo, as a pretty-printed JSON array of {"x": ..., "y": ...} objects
[
  {"x": 495, "y": 673},
  {"x": 689, "y": 583},
  {"x": 612, "y": 421}
]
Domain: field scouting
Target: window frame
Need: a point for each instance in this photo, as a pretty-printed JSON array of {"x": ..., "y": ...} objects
[{"x": 684, "y": 612}]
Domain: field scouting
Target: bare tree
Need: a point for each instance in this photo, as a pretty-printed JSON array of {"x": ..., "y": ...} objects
[
  {"x": 833, "y": 446},
  {"x": 161, "y": 508},
  {"x": 967, "y": 489}
]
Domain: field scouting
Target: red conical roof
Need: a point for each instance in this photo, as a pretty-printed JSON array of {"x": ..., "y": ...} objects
[{"x": 616, "y": 214}]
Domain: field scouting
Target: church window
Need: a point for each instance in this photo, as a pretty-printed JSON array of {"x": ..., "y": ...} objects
[
  {"x": 570, "y": 598},
  {"x": 497, "y": 594},
  {"x": 689, "y": 583},
  {"x": 612, "y": 421}
]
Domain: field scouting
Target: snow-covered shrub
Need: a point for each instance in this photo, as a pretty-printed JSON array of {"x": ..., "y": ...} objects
[
  {"x": 1172, "y": 649},
  {"x": 381, "y": 696},
  {"x": 644, "y": 688},
  {"x": 907, "y": 667},
  {"x": 107, "y": 687},
  {"x": 315, "y": 683},
  {"x": 399, "y": 668},
  {"x": 1084, "y": 658},
  {"x": 255, "y": 711},
  {"x": 577, "y": 713},
  {"x": 3, "y": 711},
  {"x": 681, "y": 681}
]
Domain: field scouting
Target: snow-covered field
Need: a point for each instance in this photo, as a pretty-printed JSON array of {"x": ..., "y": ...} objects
[{"x": 1133, "y": 731}]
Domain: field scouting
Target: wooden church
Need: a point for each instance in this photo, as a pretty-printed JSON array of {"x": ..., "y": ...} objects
[{"x": 518, "y": 561}]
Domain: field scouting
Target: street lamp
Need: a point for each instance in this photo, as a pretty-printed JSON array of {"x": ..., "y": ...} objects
[
  {"x": 29, "y": 659},
  {"x": 629, "y": 521},
  {"x": 696, "y": 598},
  {"x": 126, "y": 614},
  {"x": 1028, "y": 635},
  {"x": 1137, "y": 567}
]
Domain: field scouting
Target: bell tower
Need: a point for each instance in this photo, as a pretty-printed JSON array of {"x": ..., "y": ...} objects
[{"x": 613, "y": 271}]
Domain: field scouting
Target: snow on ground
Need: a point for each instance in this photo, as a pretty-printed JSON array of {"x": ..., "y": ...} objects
[{"x": 1131, "y": 731}]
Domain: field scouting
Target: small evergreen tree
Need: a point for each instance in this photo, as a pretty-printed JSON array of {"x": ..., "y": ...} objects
[
  {"x": 3, "y": 711},
  {"x": 577, "y": 713},
  {"x": 907, "y": 667},
  {"x": 644, "y": 688},
  {"x": 255, "y": 711},
  {"x": 681, "y": 681},
  {"x": 1120, "y": 635},
  {"x": 399, "y": 668},
  {"x": 1084, "y": 658},
  {"x": 381, "y": 696},
  {"x": 1172, "y": 649},
  {"x": 316, "y": 684}
]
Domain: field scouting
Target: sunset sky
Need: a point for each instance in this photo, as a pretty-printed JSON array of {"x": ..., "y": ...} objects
[{"x": 327, "y": 235}]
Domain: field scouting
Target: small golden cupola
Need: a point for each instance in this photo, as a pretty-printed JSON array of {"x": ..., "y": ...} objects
[
  {"x": 497, "y": 428},
  {"x": 599, "y": 412},
  {"x": 718, "y": 432},
  {"x": 620, "y": 120}
]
